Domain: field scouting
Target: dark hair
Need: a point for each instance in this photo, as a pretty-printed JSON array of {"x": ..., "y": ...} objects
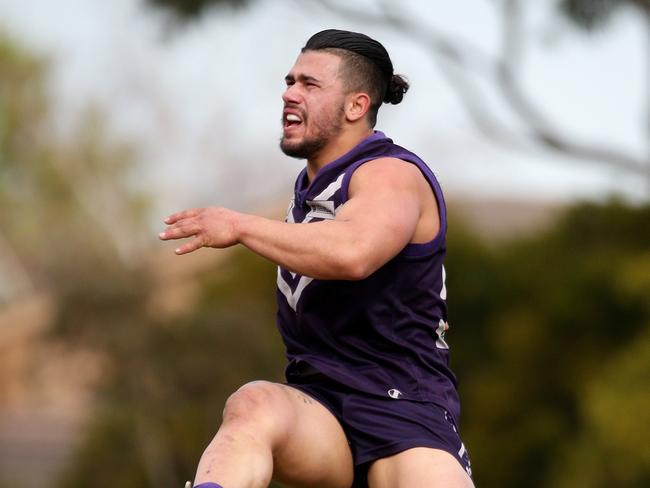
[{"x": 366, "y": 64}]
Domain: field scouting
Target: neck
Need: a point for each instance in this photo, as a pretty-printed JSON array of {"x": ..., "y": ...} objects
[{"x": 335, "y": 149}]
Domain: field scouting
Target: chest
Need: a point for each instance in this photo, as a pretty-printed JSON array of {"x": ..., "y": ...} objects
[{"x": 314, "y": 204}]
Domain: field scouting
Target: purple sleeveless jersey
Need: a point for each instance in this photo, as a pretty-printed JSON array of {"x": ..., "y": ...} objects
[{"x": 382, "y": 335}]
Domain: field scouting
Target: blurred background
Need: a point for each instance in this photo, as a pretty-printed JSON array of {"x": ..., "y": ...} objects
[{"x": 116, "y": 356}]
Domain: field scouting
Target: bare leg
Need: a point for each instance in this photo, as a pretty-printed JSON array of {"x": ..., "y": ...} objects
[
  {"x": 422, "y": 467},
  {"x": 270, "y": 431}
]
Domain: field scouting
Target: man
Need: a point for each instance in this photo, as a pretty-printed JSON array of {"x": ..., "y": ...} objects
[{"x": 370, "y": 399}]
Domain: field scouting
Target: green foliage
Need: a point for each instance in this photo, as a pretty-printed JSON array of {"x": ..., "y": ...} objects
[
  {"x": 169, "y": 377},
  {"x": 612, "y": 448},
  {"x": 549, "y": 338},
  {"x": 550, "y": 334},
  {"x": 64, "y": 202},
  {"x": 67, "y": 214}
]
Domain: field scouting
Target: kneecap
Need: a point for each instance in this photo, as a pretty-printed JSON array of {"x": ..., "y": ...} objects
[{"x": 257, "y": 402}]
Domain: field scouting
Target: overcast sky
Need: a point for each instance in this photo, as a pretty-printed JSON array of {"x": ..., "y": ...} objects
[{"x": 203, "y": 102}]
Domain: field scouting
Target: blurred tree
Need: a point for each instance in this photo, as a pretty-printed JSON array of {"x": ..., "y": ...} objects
[
  {"x": 188, "y": 9},
  {"x": 69, "y": 219},
  {"x": 592, "y": 14},
  {"x": 549, "y": 335},
  {"x": 463, "y": 64},
  {"x": 72, "y": 224},
  {"x": 612, "y": 448},
  {"x": 549, "y": 338},
  {"x": 61, "y": 200},
  {"x": 169, "y": 377},
  {"x": 467, "y": 66}
]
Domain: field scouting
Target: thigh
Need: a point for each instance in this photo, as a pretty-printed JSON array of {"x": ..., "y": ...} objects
[
  {"x": 421, "y": 466},
  {"x": 388, "y": 434},
  {"x": 312, "y": 450}
]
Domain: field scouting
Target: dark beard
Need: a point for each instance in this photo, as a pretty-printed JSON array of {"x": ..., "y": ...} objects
[
  {"x": 310, "y": 147},
  {"x": 304, "y": 149}
]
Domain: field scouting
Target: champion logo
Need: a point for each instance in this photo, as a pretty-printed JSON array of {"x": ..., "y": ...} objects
[{"x": 393, "y": 393}]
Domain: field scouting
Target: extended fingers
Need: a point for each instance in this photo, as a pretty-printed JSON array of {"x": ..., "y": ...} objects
[
  {"x": 185, "y": 214},
  {"x": 179, "y": 230},
  {"x": 190, "y": 246},
  {"x": 210, "y": 227}
]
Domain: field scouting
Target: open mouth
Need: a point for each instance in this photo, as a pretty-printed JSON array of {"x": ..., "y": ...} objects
[{"x": 291, "y": 120}]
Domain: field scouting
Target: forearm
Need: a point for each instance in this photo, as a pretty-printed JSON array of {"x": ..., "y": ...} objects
[
  {"x": 323, "y": 250},
  {"x": 371, "y": 228}
]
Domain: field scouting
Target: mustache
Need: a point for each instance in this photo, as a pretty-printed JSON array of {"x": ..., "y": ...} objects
[{"x": 303, "y": 113}]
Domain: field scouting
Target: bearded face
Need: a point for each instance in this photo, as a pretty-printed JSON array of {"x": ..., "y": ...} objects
[
  {"x": 313, "y": 113},
  {"x": 305, "y": 136}
]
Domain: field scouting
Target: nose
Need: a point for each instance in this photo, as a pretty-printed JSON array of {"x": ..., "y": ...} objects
[{"x": 291, "y": 95}]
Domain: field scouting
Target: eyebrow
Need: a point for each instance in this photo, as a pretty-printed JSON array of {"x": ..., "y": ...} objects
[{"x": 302, "y": 78}]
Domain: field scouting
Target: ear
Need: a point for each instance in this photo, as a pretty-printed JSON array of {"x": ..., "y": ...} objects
[{"x": 356, "y": 106}]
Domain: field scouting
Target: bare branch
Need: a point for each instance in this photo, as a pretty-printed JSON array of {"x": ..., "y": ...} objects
[
  {"x": 643, "y": 5},
  {"x": 456, "y": 50},
  {"x": 542, "y": 130},
  {"x": 453, "y": 58},
  {"x": 459, "y": 61}
]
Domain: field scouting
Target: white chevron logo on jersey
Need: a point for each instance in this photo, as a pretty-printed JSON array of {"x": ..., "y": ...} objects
[
  {"x": 292, "y": 296},
  {"x": 321, "y": 208}
]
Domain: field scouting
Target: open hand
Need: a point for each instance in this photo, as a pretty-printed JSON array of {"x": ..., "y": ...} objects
[{"x": 209, "y": 227}]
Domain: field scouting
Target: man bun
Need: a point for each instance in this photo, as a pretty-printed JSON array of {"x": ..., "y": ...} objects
[
  {"x": 396, "y": 89},
  {"x": 367, "y": 66},
  {"x": 372, "y": 50}
]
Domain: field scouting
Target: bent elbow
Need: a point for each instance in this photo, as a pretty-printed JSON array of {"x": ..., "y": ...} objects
[{"x": 356, "y": 267}]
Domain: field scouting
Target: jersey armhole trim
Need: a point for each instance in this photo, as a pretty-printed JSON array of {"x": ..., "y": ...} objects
[{"x": 412, "y": 249}]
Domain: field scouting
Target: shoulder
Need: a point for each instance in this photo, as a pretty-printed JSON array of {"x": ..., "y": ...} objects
[{"x": 386, "y": 172}]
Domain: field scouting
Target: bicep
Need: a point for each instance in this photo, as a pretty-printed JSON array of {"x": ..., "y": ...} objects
[{"x": 383, "y": 208}]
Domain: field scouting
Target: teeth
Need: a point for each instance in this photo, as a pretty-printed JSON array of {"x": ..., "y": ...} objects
[{"x": 293, "y": 118}]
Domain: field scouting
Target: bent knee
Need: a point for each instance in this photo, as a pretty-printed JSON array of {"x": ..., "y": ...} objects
[{"x": 259, "y": 403}]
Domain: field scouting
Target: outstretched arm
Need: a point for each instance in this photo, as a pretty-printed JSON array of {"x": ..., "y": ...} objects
[{"x": 377, "y": 221}]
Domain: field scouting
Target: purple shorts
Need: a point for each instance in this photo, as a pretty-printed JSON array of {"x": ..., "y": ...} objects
[{"x": 378, "y": 427}]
